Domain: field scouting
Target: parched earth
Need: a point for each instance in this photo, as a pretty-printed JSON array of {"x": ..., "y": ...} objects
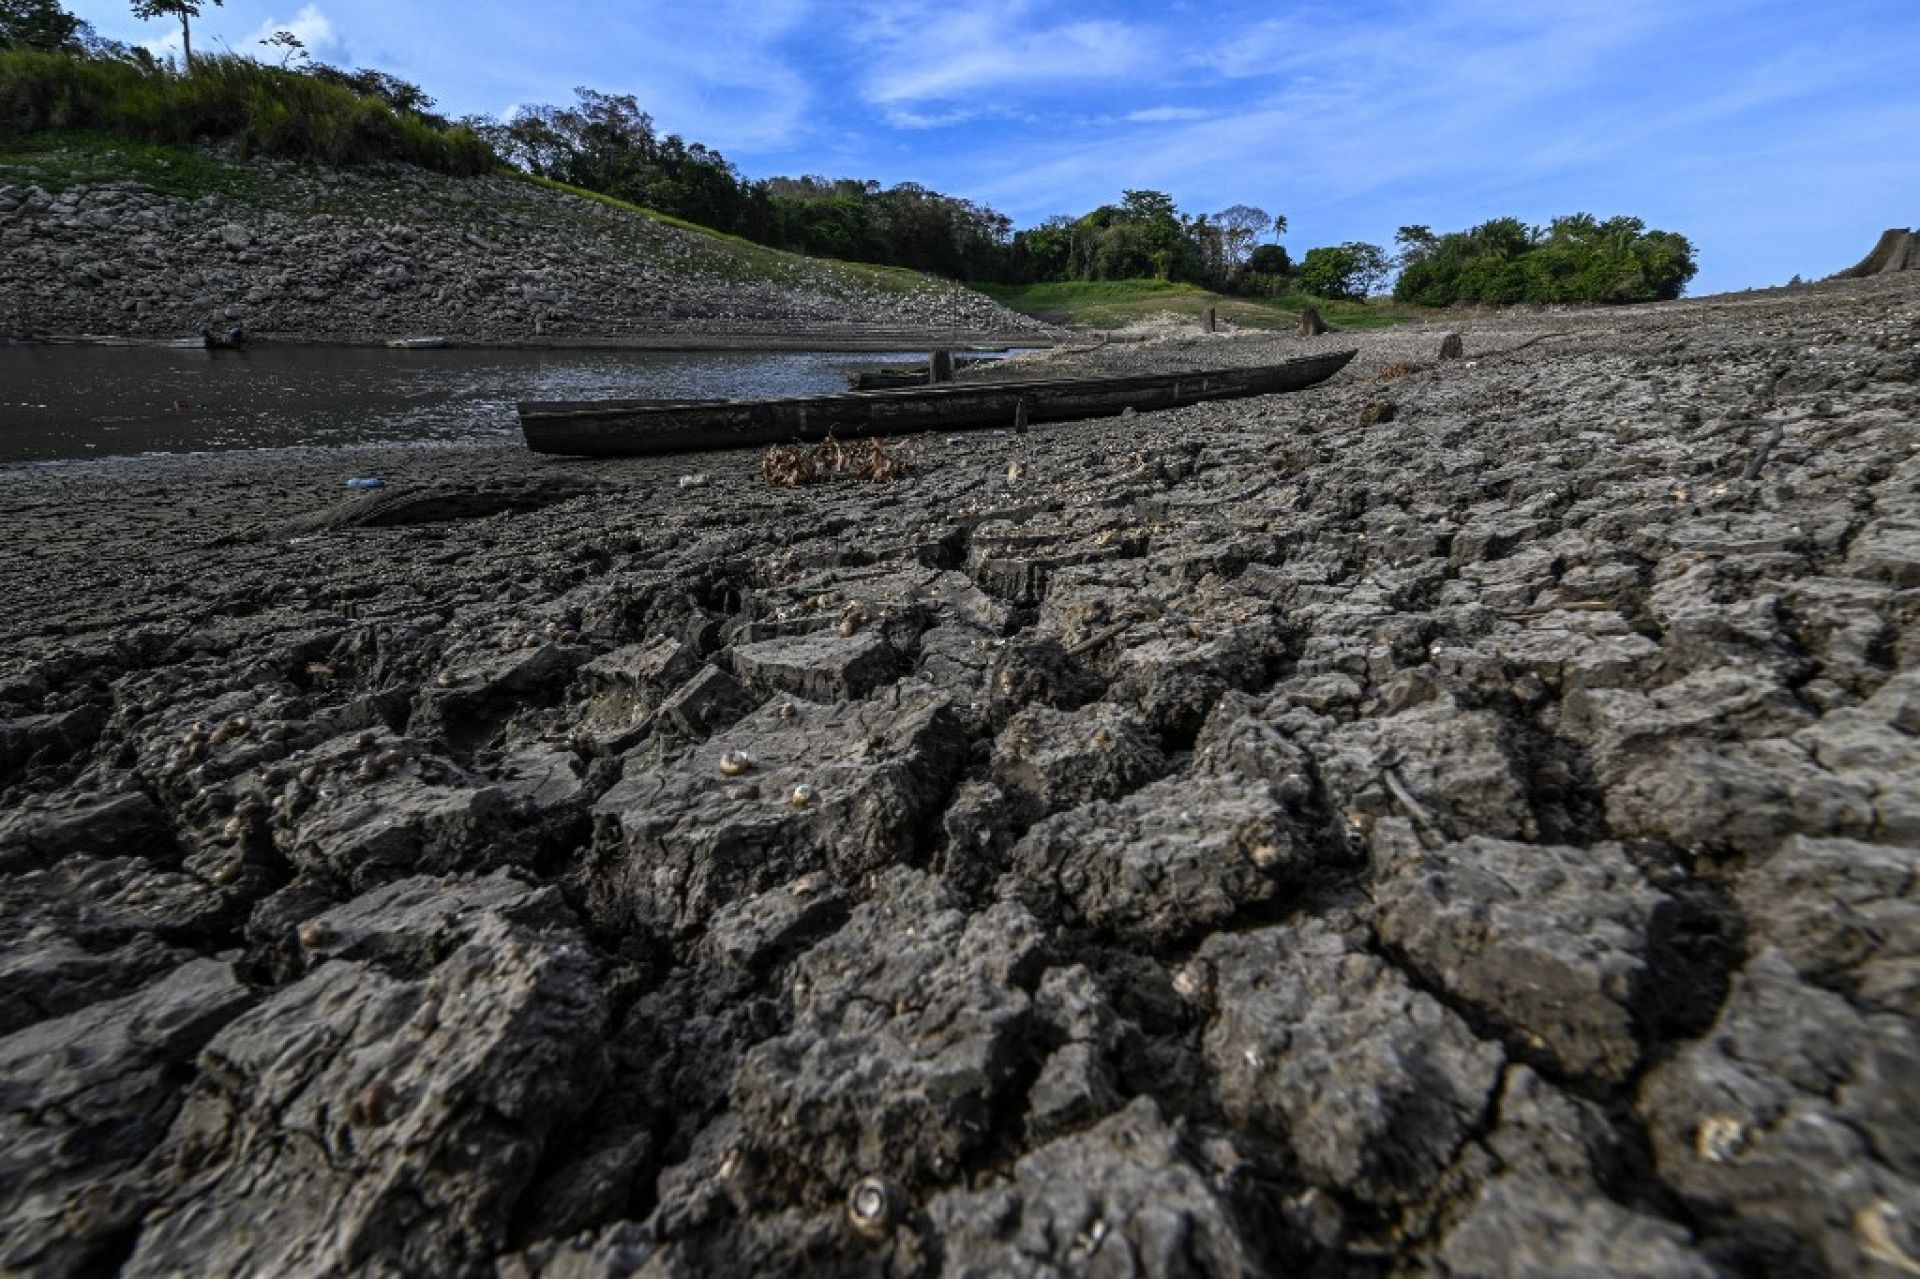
[{"x": 1460, "y": 823}]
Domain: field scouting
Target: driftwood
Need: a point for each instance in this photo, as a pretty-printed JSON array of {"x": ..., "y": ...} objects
[{"x": 1764, "y": 452}]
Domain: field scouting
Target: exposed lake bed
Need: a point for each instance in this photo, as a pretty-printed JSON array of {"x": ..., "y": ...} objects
[{"x": 1456, "y": 817}]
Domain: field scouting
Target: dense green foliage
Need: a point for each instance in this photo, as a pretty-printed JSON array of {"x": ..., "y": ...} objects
[
  {"x": 1145, "y": 236},
  {"x": 37, "y": 24},
  {"x": 1351, "y": 270},
  {"x": 260, "y": 110},
  {"x": 1577, "y": 258},
  {"x": 606, "y": 143}
]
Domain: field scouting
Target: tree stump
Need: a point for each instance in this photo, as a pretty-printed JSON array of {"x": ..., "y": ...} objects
[
  {"x": 1451, "y": 347},
  {"x": 940, "y": 367},
  {"x": 1311, "y": 325}
]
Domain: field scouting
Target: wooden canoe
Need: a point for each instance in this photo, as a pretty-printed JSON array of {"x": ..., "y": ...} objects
[{"x": 639, "y": 428}]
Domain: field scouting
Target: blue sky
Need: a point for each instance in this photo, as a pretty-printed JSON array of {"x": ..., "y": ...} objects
[{"x": 1781, "y": 136}]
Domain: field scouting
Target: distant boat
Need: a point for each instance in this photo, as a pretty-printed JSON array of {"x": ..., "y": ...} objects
[
  {"x": 642, "y": 428},
  {"x": 889, "y": 377}
]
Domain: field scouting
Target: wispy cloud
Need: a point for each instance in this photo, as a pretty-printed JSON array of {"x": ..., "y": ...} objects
[
  {"x": 1166, "y": 115},
  {"x": 966, "y": 59}
]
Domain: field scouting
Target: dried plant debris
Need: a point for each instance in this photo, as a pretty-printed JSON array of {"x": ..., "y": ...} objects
[
  {"x": 1399, "y": 369},
  {"x": 790, "y": 465}
]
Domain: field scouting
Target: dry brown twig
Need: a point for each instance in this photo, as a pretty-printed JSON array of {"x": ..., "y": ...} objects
[{"x": 788, "y": 465}]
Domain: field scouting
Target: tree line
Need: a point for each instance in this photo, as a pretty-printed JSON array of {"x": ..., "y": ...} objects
[{"x": 606, "y": 143}]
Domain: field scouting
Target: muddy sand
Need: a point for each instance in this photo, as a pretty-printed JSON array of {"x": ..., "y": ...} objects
[{"x": 1463, "y": 822}]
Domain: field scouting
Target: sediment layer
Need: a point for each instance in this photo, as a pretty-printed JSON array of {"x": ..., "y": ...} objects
[{"x": 1461, "y": 818}]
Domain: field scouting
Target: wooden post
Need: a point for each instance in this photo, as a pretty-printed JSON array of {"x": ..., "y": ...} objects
[
  {"x": 1020, "y": 416},
  {"x": 1213, "y": 319},
  {"x": 1451, "y": 347},
  {"x": 1311, "y": 325},
  {"x": 940, "y": 367}
]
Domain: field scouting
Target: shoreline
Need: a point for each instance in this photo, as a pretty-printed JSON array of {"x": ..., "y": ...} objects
[
  {"x": 1417, "y": 823},
  {"x": 744, "y": 342}
]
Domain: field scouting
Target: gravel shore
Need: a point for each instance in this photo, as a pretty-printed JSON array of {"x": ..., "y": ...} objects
[{"x": 1460, "y": 819}]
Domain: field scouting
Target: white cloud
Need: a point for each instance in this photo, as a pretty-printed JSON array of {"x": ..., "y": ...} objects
[
  {"x": 1166, "y": 115},
  {"x": 309, "y": 26}
]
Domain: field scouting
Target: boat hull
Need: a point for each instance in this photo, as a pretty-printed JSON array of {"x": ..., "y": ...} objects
[{"x": 642, "y": 428}]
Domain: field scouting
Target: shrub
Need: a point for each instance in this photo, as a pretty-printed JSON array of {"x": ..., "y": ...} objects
[
  {"x": 1577, "y": 258},
  {"x": 261, "y": 110}
]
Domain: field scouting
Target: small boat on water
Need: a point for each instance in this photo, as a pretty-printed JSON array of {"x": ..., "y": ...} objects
[
  {"x": 641, "y": 428},
  {"x": 233, "y": 338}
]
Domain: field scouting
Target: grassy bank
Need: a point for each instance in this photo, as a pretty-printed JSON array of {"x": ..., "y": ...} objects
[
  {"x": 1112, "y": 304},
  {"x": 259, "y": 110}
]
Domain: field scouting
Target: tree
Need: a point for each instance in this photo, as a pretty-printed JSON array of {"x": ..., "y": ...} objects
[
  {"x": 1238, "y": 226},
  {"x": 1269, "y": 259},
  {"x": 1351, "y": 270},
  {"x": 147, "y": 10},
  {"x": 1576, "y": 258},
  {"x": 292, "y": 47},
  {"x": 37, "y": 24}
]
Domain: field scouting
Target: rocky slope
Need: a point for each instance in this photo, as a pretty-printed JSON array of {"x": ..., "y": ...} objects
[
  {"x": 360, "y": 255},
  {"x": 1462, "y": 823}
]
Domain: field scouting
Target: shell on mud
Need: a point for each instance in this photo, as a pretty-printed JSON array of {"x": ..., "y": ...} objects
[
  {"x": 875, "y": 1206},
  {"x": 1359, "y": 829},
  {"x": 735, "y": 763},
  {"x": 1719, "y": 1138},
  {"x": 802, "y": 795}
]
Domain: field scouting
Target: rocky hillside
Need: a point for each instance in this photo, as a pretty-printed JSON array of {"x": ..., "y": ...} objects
[{"x": 356, "y": 255}]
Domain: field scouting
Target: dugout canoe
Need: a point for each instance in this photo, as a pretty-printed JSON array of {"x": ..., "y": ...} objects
[{"x": 641, "y": 428}]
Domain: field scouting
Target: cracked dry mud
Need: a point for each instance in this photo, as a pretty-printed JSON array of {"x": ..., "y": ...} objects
[{"x": 1229, "y": 841}]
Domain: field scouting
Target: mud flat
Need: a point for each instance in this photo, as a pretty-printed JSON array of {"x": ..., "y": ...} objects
[{"x": 1464, "y": 822}]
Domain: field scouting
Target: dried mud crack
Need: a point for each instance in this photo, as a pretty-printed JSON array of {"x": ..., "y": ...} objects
[{"x": 1249, "y": 839}]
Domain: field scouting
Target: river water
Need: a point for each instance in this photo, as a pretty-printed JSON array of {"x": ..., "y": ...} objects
[{"x": 61, "y": 402}]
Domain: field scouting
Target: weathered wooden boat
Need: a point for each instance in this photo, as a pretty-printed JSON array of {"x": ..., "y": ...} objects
[
  {"x": 232, "y": 339},
  {"x": 639, "y": 428},
  {"x": 890, "y": 376}
]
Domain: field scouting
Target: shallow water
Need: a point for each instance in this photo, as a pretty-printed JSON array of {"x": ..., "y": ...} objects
[{"x": 87, "y": 402}]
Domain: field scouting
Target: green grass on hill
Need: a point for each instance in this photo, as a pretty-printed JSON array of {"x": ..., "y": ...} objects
[
  {"x": 756, "y": 261},
  {"x": 260, "y": 110},
  {"x": 1113, "y": 304},
  {"x": 63, "y": 160}
]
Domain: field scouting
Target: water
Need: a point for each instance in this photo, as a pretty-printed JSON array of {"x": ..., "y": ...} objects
[{"x": 86, "y": 402}]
